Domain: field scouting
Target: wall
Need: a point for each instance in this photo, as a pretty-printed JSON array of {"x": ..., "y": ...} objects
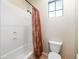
[
  {"x": 0, "y": 29},
  {"x": 62, "y": 28},
  {"x": 76, "y": 26},
  {"x": 16, "y": 31}
]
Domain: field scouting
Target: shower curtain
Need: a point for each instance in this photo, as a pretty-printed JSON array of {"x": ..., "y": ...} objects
[{"x": 37, "y": 39}]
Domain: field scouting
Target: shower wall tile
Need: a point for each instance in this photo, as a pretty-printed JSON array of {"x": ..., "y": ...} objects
[{"x": 16, "y": 28}]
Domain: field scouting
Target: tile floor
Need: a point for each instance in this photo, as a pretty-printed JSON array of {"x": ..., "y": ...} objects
[
  {"x": 42, "y": 57},
  {"x": 23, "y": 56}
]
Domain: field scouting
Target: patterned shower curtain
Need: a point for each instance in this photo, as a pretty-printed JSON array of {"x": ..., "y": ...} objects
[{"x": 37, "y": 39}]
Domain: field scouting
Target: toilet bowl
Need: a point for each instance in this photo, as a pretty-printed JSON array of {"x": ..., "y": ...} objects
[
  {"x": 54, "y": 55},
  {"x": 55, "y": 49}
]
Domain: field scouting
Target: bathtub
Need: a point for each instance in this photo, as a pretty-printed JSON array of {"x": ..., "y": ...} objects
[
  {"x": 24, "y": 56},
  {"x": 18, "y": 53}
]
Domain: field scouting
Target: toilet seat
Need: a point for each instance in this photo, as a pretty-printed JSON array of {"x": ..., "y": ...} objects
[{"x": 54, "y": 55}]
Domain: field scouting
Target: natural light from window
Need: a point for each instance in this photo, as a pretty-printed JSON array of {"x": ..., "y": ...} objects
[{"x": 55, "y": 8}]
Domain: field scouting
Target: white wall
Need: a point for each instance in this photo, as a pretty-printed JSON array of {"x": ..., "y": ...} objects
[
  {"x": 0, "y": 29},
  {"x": 14, "y": 18},
  {"x": 64, "y": 28}
]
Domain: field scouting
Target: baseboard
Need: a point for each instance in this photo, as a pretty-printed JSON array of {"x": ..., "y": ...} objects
[{"x": 44, "y": 53}]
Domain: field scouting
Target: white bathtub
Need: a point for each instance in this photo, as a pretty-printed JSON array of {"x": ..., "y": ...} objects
[
  {"x": 18, "y": 53},
  {"x": 24, "y": 56}
]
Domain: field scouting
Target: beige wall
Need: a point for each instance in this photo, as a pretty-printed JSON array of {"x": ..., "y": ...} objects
[{"x": 64, "y": 28}]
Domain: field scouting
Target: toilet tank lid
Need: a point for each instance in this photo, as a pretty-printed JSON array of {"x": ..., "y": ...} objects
[{"x": 55, "y": 42}]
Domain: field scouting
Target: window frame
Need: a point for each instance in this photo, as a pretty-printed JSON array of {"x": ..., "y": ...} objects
[{"x": 55, "y": 8}]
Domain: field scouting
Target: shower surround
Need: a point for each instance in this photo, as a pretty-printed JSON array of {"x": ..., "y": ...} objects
[{"x": 16, "y": 29}]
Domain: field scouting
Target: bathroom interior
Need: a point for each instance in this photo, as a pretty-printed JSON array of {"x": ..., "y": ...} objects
[{"x": 39, "y": 29}]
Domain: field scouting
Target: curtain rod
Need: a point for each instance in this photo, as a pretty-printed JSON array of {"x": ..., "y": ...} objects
[{"x": 29, "y": 3}]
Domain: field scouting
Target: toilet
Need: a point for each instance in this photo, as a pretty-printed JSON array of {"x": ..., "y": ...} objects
[{"x": 55, "y": 49}]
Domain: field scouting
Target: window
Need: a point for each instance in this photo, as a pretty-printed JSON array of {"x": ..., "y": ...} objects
[{"x": 55, "y": 8}]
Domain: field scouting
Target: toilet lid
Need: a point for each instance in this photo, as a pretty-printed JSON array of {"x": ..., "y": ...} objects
[{"x": 53, "y": 55}]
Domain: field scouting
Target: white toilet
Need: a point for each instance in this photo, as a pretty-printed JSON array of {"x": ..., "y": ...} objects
[{"x": 55, "y": 49}]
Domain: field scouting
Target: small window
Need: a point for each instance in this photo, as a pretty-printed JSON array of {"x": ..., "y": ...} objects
[{"x": 55, "y": 8}]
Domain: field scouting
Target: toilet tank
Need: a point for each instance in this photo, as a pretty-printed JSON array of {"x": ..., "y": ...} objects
[{"x": 55, "y": 46}]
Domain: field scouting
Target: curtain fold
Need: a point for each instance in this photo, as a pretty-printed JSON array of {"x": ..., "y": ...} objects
[{"x": 36, "y": 29}]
